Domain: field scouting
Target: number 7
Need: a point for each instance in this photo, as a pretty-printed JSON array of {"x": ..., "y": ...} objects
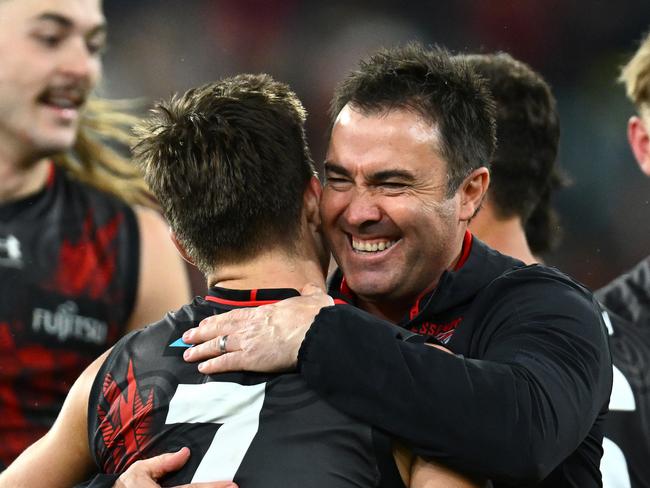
[{"x": 235, "y": 406}]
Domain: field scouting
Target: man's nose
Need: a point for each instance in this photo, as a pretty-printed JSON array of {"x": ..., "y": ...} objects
[{"x": 362, "y": 208}]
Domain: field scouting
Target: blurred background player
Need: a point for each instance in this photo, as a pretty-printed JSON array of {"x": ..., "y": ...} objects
[
  {"x": 627, "y": 298},
  {"x": 80, "y": 263},
  {"x": 516, "y": 217}
]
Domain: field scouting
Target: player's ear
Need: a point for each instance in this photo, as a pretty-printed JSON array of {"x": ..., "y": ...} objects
[
  {"x": 472, "y": 191},
  {"x": 179, "y": 247},
  {"x": 637, "y": 135},
  {"x": 311, "y": 202}
]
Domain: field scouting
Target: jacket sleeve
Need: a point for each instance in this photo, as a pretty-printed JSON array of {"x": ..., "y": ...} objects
[{"x": 541, "y": 375}]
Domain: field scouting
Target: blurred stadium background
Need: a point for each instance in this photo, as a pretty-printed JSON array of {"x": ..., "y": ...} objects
[{"x": 157, "y": 47}]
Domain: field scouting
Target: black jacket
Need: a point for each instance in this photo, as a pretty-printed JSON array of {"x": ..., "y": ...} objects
[
  {"x": 627, "y": 427},
  {"x": 523, "y": 398}
]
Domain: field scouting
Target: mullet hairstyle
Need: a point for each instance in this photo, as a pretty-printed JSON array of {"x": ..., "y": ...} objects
[
  {"x": 524, "y": 168},
  {"x": 445, "y": 92},
  {"x": 95, "y": 158},
  {"x": 229, "y": 164}
]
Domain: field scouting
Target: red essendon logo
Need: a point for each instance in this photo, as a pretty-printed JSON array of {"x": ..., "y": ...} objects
[
  {"x": 125, "y": 426},
  {"x": 86, "y": 266},
  {"x": 442, "y": 332}
]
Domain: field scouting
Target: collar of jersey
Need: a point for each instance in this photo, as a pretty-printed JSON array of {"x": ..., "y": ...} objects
[{"x": 252, "y": 298}]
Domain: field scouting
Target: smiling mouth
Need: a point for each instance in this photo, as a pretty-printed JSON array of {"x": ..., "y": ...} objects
[
  {"x": 371, "y": 246},
  {"x": 68, "y": 98}
]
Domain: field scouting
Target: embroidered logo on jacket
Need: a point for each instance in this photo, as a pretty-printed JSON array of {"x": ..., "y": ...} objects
[{"x": 442, "y": 332}]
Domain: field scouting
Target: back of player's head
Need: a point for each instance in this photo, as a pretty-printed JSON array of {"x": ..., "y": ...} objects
[
  {"x": 635, "y": 75},
  {"x": 229, "y": 163},
  {"x": 523, "y": 170},
  {"x": 443, "y": 91}
]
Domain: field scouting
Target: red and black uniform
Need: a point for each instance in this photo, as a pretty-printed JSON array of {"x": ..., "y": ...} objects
[
  {"x": 626, "y": 463},
  {"x": 261, "y": 430},
  {"x": 68, "y": 275},
  {"x": 522, "y": 399}
]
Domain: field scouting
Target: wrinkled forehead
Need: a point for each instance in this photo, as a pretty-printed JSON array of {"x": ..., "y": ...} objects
[{"x": 86, "y": 14}]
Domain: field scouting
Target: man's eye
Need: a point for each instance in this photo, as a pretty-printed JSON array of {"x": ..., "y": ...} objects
[
  {"x": 96, "y": 47},
  {"x": 391, "y": 185},
  {"x": 336, "y": 181},
  {"x": 48, "y": 40}
]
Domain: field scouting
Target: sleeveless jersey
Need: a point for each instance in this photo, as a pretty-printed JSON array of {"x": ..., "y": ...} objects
[
  {"x": 68, "y": 275},
  {"x": 626, "y": 457},
  {"x": 260, "y": 430}
]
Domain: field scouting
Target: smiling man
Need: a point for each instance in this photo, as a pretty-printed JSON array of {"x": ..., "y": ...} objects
[
  {"x": 522, "y": 400},
  {"x": 79, "y": 265}
]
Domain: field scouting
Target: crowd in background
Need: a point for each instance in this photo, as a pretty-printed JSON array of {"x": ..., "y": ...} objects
[{"x": 163, "y": 46}]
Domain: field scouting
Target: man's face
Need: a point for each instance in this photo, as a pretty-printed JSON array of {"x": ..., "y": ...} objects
[
  {"x": 385, "y": 212},
  {"x": 49, "y": 62}
]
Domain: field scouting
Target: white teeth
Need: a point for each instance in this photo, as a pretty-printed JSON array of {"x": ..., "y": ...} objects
[
  {"x": 62, "y": 102},
  {"x": 371, "y": 247}
]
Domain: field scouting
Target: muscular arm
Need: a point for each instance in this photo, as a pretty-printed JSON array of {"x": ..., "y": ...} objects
[
  {"x": 163, "y": 283},
  {"x": 61, "y": 458}
]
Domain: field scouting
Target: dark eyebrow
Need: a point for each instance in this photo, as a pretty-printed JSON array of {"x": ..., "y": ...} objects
[
  {"x": 56, "y": 18},
  {"x": 335, "y": 168},
  {"x": 66, "y": 23}
]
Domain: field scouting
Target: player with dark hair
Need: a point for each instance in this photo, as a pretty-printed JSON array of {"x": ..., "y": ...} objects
[
  {"x": 627, "y": 298},
  {"x": 80, "y": 263},
  {"x": 516, "y": 218},
  {"x": 522, "y": 399},
  {"x": 230, "y": 163}
]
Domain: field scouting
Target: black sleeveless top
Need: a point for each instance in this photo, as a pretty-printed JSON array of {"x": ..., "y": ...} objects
[
  {"x": 260, "y": 430},
  {"x": 69, "y": 260}
]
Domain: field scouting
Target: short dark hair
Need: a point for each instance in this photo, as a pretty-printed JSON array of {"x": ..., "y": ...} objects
[
  {"x": 229, "y": 163},
  {"x": 443, "y": 91},
  {"x": 524, "y": 170}
]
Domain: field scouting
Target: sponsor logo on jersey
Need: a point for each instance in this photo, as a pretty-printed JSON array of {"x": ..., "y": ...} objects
[
  {"x": 65, "y": 324},
  {"x": 10, "y": 253}
]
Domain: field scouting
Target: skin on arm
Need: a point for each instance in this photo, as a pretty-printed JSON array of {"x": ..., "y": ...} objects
[
  {"x": 61, "y": 458},
  {"x": 163, "y": 284}
]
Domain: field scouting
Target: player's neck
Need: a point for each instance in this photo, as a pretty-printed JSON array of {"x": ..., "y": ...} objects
[
  {"x": 505, "y": 235},
  {"x": 19, "y": 179},
  {"x": 272, "y": 269}
]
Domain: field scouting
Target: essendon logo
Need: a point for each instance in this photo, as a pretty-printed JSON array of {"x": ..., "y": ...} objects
[{"x": 442, "y": 332}]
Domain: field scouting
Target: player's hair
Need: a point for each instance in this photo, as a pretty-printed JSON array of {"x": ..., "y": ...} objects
[
  {"x": 95, "y": 158},
  {"x": 444, "y": 92},
  {"x": 524, "y": 170},
  {"x": 229, "y": 164},
  {"x": 635, "y": 75}
]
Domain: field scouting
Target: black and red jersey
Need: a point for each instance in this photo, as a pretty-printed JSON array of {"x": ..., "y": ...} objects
[
  {"x": 259, "y": 429},
  {"x": 627, "y": 428},
  {"x": 521, "y": 402},
  {"x": 69, "y": 260}
]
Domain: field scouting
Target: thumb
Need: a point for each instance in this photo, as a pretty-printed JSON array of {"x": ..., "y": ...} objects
[
  {"x": 312, "y": 289},
  {"x": 159, "y": 466}
]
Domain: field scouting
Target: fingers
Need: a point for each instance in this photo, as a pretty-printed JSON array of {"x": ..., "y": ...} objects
[
  {"x": 142, "y": 474},
  {"x": 212, "y": 348},
  {"x": 218, "y": 325},
  {"x": 233, "y": 361}
]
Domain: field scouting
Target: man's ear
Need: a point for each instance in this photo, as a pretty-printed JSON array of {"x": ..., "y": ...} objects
[
  {"x": 179, "y": 247},
  {"x": 311, "y": 202},
  {"x": 637, "y": 135},
  {"x": 472, "y": 191}
]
